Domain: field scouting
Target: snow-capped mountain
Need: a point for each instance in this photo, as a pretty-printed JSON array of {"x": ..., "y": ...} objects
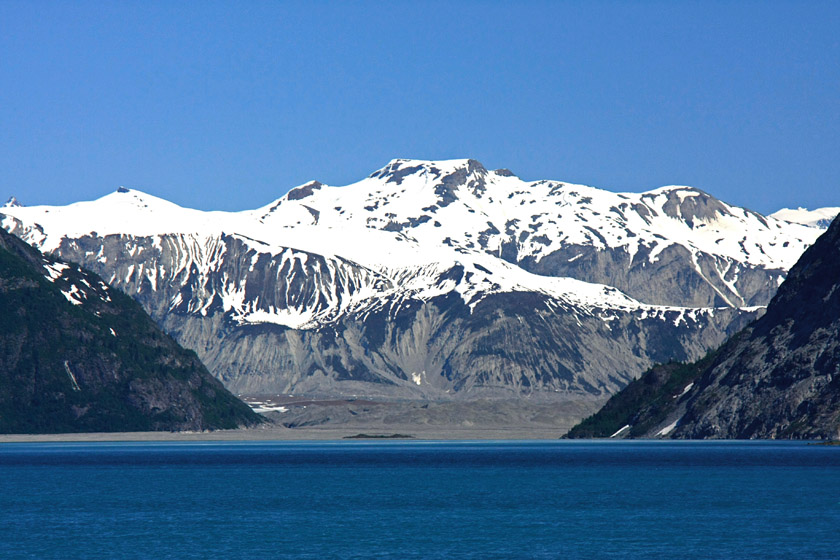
[
  {"x": 820, "y": 218},
  {"x": 434, "y": 278}
]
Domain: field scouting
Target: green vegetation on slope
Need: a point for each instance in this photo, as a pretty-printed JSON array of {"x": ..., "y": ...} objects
[{"x": 644, "y": 403}]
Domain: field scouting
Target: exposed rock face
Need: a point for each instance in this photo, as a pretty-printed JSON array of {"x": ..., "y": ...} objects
[
  {"x": 434, "y": 280},
  {"x": 509, "y": 345},
  {"x": 395, "y": 343},
  {"x": 653, "y": 269},
  {"x": 779, "y": 378},
  {"x": 78, "y": 356},
  {"x": 677, "y": 277}
]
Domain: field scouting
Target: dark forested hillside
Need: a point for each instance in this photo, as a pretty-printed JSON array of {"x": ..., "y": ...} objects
[{"x": 79, "y": 356}]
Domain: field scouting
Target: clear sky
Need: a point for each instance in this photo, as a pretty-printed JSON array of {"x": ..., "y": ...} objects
[{"x": 227, "y": 105}]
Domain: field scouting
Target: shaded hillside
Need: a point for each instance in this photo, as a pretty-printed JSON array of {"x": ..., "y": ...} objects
[
  {"x": 79, "y": 356},
  {"x": 643, "y": 405},
  {"x": 778, "y": 378}
]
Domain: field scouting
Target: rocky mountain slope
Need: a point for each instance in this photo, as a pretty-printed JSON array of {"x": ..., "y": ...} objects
[
  {"x": 779, "y": 378},
  {"x": 79, "y": 356},
  {"x": 434, "y": 280}
]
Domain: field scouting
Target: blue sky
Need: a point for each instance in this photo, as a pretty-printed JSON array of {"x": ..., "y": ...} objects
[{"x": 227, "y": 105}]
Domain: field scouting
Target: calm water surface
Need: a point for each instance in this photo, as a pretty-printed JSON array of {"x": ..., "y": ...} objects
[{"x": 420, "y": 500}]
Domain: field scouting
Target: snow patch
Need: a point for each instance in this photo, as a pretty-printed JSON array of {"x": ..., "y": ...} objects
[
  {"x": 72, "y": 377},
  {"x": 55, "y": 270},
  {"x": 668, "y": 429},
  {"x": 73, "y": 295},
  {"x": 261, "y": 408},
  {"x": 621, "y": 431},
  {"x": 290, "y": 318},
  {"x": 686, "y": 390}
]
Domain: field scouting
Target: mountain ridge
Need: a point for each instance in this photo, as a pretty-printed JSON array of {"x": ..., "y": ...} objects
[{"x": 375, "y": 278}]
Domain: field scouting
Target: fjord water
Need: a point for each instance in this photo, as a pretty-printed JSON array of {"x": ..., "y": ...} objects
[{"x": 420, "y": 500}]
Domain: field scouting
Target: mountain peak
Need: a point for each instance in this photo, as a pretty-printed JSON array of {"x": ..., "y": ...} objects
[
  {"x": 818, "y": 218},
  {"x": 305, "y": 190},
  {"x": 688, "y": 204},
  {"x": 125, "y": 195},
  {"x": 680, "y": 191},
  {"x": 504, "y": 172},
  {"x": 399, "y": 169},
  {"x": 12, "y": 203}
]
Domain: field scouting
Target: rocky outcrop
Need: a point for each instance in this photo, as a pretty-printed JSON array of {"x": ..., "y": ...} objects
[{"x": 676, "y": 277}]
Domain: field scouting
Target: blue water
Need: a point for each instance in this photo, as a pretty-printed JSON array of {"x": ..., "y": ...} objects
[{"x": 420, "y": 500}]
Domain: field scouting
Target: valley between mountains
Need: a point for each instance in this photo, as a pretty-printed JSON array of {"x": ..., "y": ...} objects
[{"x": 435, "y": 282}]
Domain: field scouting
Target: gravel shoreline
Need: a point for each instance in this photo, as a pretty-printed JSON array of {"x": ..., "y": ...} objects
[
  {"x": 293, "y": 434},
  {"x": 334, "y": 420}
]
